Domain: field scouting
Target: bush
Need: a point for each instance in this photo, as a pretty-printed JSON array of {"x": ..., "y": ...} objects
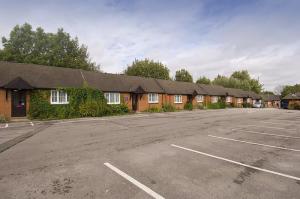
[
  {"x": 188, "y": 106},
  {"x": 117, "y": 109},
  {"x": 154, "y": 110},
  {"x": 246, "y": 105},
  {"x": 83, "y": 102},
  {"x": 168, "y": 108},
  {"x": 2, "y": 119},
  {"x": 230, "y": 105},
  {"x": 218, "y": 105},
  {"x": 200, "y": 106}
]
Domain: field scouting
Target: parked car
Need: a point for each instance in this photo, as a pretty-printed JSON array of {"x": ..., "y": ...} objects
[{"x": 257, "y": 105}]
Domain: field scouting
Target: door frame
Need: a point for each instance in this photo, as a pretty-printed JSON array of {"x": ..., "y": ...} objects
[{"x": 13, "y": 110}]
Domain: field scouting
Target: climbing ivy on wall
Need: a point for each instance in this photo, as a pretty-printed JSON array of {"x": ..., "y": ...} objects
[{"x": 83, "y": 102}]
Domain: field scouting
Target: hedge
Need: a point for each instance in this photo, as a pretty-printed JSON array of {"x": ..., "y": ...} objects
[{"x": 83, "y": 102}]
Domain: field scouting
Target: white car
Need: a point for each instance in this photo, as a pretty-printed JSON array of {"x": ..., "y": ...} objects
[{"x": 257, "y": 105}]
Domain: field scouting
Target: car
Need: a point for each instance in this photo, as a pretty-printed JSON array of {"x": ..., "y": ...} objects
[{"x": 257, "y": 105}]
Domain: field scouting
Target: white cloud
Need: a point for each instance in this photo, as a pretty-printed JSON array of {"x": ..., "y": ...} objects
[{"x": 262, "y": 37}]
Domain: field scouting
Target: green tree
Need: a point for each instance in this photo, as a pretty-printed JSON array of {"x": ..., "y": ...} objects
[
  {"x": 239, "y": 79},
  {"x": 26, "y": 45},
  {"x": 148, "y": 68},
  {"x": 183, "y": 75},
  {"x": 203, "y": 80},
  {"x": 290, "y": 89}
]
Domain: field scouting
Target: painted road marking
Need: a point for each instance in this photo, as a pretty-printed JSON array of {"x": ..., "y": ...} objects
[
  {"x": 133, "y": 181},
  {"x": 254, "y": 143},
  {"x": 73, "y": 121},
  {"x": 238, "y": 163},
  {"x": 4, "y": 127},
  {"x": 270, "y": 134},
  {"x": 31, "y": 123},
  {"x": 271, "y": 127}
]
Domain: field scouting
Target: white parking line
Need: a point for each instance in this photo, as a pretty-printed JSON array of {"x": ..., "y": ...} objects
[
  {"x": 31, "y": 123},
  {"x": 73, "y": 121},
  {"x": 238, "y": 163},
  {"x": 270, "y": 134},
  {"x": 254, "y": 143},
  {"x": 133, "y": 181},
  {"x": 270, "y": 127}
]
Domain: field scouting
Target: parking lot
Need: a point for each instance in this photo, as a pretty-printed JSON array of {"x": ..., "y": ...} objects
[{"x": 232, "y": 153}]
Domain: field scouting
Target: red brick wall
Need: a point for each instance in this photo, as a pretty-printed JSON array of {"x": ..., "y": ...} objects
[
  {"x": 170, "y": 99},
  {"x": 5, "y": 104},
  {"x": 144, "y": 105},
  {"x": 126, "y": 99}
]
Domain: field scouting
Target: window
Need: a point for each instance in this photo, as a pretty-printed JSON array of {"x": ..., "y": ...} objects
[
  {"x": 152, "y": 98},
  {"x": 177, "y": 99},
  {"x": 214, "y": 99},
  {"x": 112, "y": 98},
  {"x": 59, "y": 97},
  {"x": 249, "y": 100},
  {"x": 199, "y": 98},
  {"x": 228, "y": 99},
  {"x": 239, "y": 100}
]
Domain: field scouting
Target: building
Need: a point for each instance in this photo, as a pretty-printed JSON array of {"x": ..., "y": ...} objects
[
  {"x": 291, "y": 101},
  {"x": 137, "y": 93},
  {"x": 271, "y": 101}
]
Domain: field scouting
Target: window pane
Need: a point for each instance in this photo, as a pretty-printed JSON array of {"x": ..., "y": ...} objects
[{"x": 53, "y": 96}]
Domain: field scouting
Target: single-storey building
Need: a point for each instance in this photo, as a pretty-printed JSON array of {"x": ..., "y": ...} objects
[
  {"x": 291, "y": 100},
  {"x": 137, "y": 93},
  {"x": 271, "y": 101}
]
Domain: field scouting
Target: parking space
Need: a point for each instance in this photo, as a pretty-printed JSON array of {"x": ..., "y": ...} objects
[{"x": 233, "y": 153}]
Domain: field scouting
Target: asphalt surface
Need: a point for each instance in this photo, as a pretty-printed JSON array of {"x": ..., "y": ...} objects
[{"x": 234, "y": 153}]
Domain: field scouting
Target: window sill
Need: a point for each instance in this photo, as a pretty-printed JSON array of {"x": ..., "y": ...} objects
[
  {"x": 59, "y": 103},
  {"x": 152, "y": 102},
  {"x": 177, "y": 102}
]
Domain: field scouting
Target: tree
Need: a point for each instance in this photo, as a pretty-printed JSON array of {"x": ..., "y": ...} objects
[
  {"x": 203, "y": 80},
  {"x": 239, "y": 79},
  {"x": 148, "y": 68},
  {"x": 183, "y": 75},
  {"x": 26, "y": 45},
  {"x": 267, "y": 93},
  {"x": 290, "y": 89}
]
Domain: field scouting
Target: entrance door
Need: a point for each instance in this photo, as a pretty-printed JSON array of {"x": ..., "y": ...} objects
[
  {"x": 18, "y": 103},
  {"x": 134, "y": 102}
]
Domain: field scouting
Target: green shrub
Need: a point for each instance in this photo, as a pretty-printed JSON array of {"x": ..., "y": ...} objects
[
  {"x": 118, "y": 109},
  {"x": 297, "y": 106},
  {"x": 200, "y": 106},
  {"x": 83, "y": 102},
  {"x": 2, "y": 119},
  {"x": 246, "y": 105},
  {"x": 168, "y": 108},
  {"x": 218, "y": 105},
  {"x": 154, "y": 110},
  {"x": 188, "y": 106},
  {"x": 230, "y": 105}
]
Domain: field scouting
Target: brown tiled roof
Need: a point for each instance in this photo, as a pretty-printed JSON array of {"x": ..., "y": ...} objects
[
  {"x": 292, "y": 96},
  {"x": 54, "y": 77},
  {"x": 48, "y": 77},
  {"x": 184, "y": 88},
  {"x": 268, "y": 97},
  {"x": 213, "y": 90}
]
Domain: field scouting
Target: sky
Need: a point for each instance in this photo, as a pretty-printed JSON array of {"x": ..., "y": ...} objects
[{"x": 206, "y": 37}]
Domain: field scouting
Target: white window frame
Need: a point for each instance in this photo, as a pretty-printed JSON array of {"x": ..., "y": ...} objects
[
  {"x": 214, "y": 99},
  {"x": 112, "y": 98},
  {"x": 239, "y": 100},
  {"x": 199, "y": 98},
  {"x": 153, "y": 98},
  {"x": 57, "y": 97},
  {"x": 177, "y": 99},
  {"x": 228, "y": 99}
]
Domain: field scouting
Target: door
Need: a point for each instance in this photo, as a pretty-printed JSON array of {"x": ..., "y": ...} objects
[
  {"x": 134, "y": 102},
  {"x": 18, "y": 103}
]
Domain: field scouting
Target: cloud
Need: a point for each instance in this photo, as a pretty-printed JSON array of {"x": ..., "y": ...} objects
[{"x": 206, "y": 37}]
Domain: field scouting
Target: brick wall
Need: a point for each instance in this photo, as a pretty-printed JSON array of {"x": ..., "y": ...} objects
[
  {"x": 144, "y": 105},
  {"x": 126, "y": 99},
  {"x": 5, "y": 104},
  {"x": 170, "y": 100}
]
